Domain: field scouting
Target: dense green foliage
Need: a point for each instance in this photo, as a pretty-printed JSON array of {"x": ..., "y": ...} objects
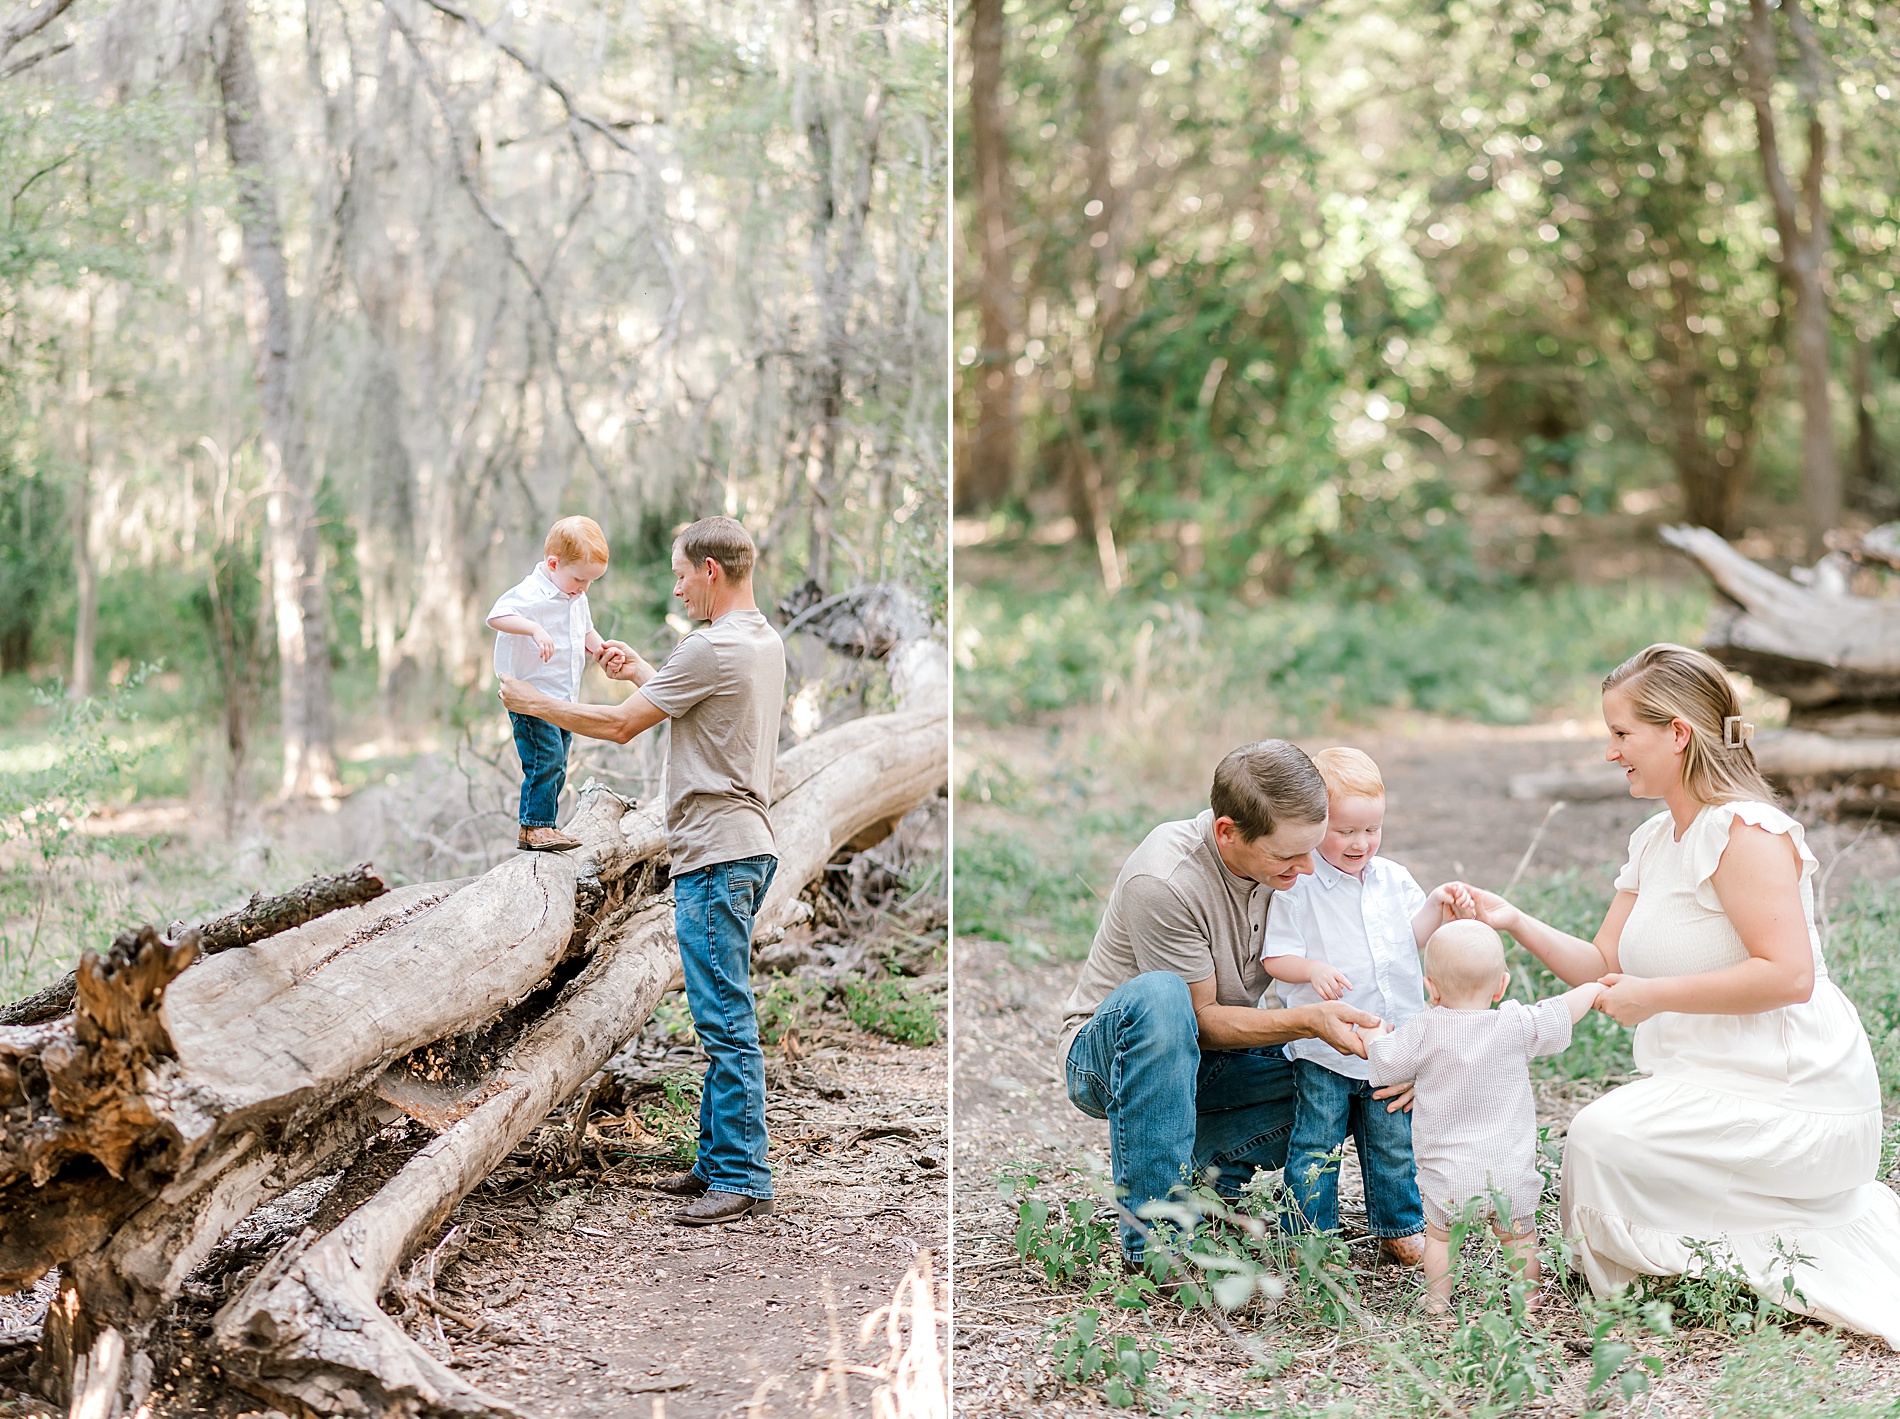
[{"x": 1391, "y": 296}]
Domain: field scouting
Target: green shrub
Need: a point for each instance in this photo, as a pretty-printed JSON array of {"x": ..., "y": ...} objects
[
  {"x": 1064, "y": 1238},
  {"x": 896, "y": 1009},
  {"x": 1026, "y": 894},
  {"x": 1121, "y": 1365}
]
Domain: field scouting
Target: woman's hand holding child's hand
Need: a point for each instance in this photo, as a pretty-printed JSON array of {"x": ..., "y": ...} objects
[
  {"x": 1330, "y": 983},
  {"x": 1491, "y": 909},
  {"x": 1626, "y": 999}
]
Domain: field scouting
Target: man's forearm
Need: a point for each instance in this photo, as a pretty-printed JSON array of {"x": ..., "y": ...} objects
[
  {"x": 594, "y": 721},
  {"x": 1244, "y": 1026}
]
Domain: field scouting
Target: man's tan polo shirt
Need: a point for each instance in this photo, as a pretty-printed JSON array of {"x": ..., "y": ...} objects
[{"x": 1175, "y": 907}]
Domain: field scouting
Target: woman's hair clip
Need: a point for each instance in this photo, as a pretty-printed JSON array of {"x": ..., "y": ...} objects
[{"x": 1736, "y": 732}]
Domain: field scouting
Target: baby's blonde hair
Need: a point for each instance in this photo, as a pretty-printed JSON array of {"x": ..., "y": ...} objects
[
  {"x": 1349, "y": 773},
  {"x": 1463, "y": 958}
]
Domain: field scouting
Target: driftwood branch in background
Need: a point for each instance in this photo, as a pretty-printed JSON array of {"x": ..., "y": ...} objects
[{"x": 258, "y": 918}]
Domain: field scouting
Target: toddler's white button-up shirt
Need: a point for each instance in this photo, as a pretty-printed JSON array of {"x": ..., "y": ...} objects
[
  {"x": 567, "y": 621},
  {"x": 1361, "y": 926}
]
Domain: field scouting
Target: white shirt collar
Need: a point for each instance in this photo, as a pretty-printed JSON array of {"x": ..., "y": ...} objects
[
  {"x": 1330, "y": 876},
  {"x": 541, "y": 570}
]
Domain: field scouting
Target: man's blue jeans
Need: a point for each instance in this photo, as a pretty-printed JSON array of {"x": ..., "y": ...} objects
[
  {"x": 713, "y": 909},
  {"x": 543, "y": 751},
  {"x": 1330, "y": 1107},
  {"x": 1174, "y": 1112}
]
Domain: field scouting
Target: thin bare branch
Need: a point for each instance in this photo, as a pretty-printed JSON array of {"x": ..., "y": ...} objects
[
  {"x": 20, "y": 66},
  {"x": 23, "y": 24},
  {"x": 464, "y": 166}
]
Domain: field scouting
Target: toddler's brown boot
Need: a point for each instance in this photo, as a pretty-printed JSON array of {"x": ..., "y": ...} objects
[{"x": 546, "y": 840}]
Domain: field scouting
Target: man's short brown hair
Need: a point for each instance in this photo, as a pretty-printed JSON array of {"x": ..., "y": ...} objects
[
  {"x": 1263, "y": 785},
  {"x": 722, "y": 539}
]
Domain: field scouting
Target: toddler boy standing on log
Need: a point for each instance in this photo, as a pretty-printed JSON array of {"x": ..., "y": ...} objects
[
  {"x": 722, "y": 687},
  {"x": 546, "y": 636}
]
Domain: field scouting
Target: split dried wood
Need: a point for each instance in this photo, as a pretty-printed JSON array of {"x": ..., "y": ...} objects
[{"x": 308, "y": 1329}]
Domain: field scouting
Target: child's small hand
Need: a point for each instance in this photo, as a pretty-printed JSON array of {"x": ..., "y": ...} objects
[
  {"x": 544, "y": 644},
  {"x": 1455, "y": 902},
  {"x": 1330, "y": 984},
  {"x": 1369, "y": 1033}
]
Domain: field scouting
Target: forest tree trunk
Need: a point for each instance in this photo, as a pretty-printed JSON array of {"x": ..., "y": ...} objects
[
  {"x": 1802, "y": 223},
  {"x": 85, "y": 570},
  {"x": 992, "y": 467},
  {"x": 296, "y": 566},
  {"x": 1868, "y": 463},
  {"x": 833, "y": 278}
]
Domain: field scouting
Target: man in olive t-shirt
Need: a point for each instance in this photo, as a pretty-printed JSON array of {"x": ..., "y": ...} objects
[
  {"x": 1164, "y": 1035},
  {"x": 722, "y": 688}
]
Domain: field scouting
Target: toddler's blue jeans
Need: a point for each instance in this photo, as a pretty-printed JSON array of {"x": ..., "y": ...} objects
[
  {"x": 713, "y": 908},
  {"x": 543, "y": 751},
  {"x": 1330, "y": 1107}
]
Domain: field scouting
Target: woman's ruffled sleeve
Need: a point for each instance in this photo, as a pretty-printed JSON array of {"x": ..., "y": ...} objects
[
  {"x": 1630, "y": 878},
  {"x": 1711, "y": 833}
]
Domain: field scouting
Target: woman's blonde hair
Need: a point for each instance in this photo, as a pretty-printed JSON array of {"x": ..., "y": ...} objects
[{"x": 1669, "y": 682}]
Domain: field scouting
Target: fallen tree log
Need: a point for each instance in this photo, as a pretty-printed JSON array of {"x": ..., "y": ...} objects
[
  {"x": 1784, "y": 755},
  {"x": 841, "y": 799},
  {"x": 174, "y": 1101},
  {"x": 1812, "y": 646},
  {"x": 258, "y": 918},
  {"x": 308, "y": 1329}
]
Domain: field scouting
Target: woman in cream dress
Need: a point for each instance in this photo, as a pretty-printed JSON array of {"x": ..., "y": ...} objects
[{"x": 1757, "y": 1128}]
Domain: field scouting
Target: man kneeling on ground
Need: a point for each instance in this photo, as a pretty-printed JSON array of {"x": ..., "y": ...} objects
[{"x": 1164, "y": 1035}]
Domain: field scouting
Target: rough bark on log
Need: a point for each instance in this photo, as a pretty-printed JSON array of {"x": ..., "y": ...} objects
[
  {"x": 258, "y": 918},
  {"x": 70, "y": 1173},
  {"x": 308, "y": 1328},
  {"x": 144, "y": 1263},
  {"x": 220, "y": 1116},
  {"x": 1811, "y": 646}
]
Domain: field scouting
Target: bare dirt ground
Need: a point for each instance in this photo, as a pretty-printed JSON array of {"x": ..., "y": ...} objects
[
  {"x": 1450, "y": 814},
  {"x": 589, "y": 1303}
]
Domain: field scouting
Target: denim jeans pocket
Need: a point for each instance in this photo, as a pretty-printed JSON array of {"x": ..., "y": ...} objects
[{"x": 1088, "y": 1091}]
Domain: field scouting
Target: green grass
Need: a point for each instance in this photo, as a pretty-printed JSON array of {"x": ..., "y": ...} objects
[
  {"x": 1572, "y": 901},
  {"x": 1037, "y": 897},
  {"x": 1499, "y": 658},
  {"x": 1862, "y": 960}
]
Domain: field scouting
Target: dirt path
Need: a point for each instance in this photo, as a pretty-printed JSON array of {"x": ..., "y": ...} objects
[{"x": 1451, "y": 814}]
